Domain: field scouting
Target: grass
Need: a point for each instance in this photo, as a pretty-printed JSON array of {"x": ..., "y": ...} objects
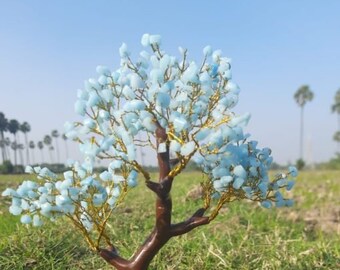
[{"x": 243, "y": 236}]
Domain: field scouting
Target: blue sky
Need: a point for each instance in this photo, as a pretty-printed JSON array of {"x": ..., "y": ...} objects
[{"x": 47, "y": 50}]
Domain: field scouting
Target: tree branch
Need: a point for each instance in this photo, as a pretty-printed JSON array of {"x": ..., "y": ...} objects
[
  {"x": 196, "y": 220},
  {"x": 111, "y": 256}
]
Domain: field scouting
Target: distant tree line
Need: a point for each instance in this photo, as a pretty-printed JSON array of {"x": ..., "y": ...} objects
[{"x": 18, "y": 151}]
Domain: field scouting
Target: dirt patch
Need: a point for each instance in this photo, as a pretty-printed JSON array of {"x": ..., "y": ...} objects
[
  {"x": 326, "y": 219},
  {"x": 194, "y": 194}
]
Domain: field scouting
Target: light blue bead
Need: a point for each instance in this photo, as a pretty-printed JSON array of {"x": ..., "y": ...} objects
[
  {"x": 116, "y": 192},
  {"x": 46, "y": 208},
  {"x": 134, "y": 105},
  {"x": 136, "y": 82},
  {"x": 164, "y": 62},
  {"x": 163, "y": 100},
  {"x": 32, "y": 195},
  {"x": 73, "y": 192},
  {"x": 225, "y": 180},
  {"x": 240, "y": 120},
  {"x": 216, "y": 55},
  {"x": 240, "y": 172},
  {"x": 207, "y": 51},
  {"x": 131, "y": 152},
  {"x": 128, "y": 92},
  {"x": 266, "y": 204},
  {"x": 238, "y": 182},
  {"x": 49, "y": 186},
  {"x": 107, "y": 95},
  {"x": 202, "y": 134},
  {"x": 289, "y": 202},
  {"x": 8, "y": 192},
  {"x": 179, "y": 124},
  {"x": 61, "y": 200},
  {"x": 227, "y": 75},
  {"x": 103, "y": 80},
  {"x": 290, "y": 185},
  {"x": 188, "y": 148},
  {"x": 94, "y": 99},
  {"x": 80, "y": 107},
  {"x": 133, "y": 175},
  {"x": 89, "y": 123},
  {"x": 94, "y": 85},
  {"x": 190, "y": 74},
  {"x": 248, "y": 191},
  {"x": 111, "y": 201},
  {"x": 132, "y": 182},
  {"x": 219, "y": 172},
  {"x": 103, "y": 70},
  {"x": 175, "y": 146},
  {"x": 98, "y": 199},
  {"x": 293, "y": 171},
  {"x": 105, "y": 115},
  {"x": 123, "y": 51},
  {"x": 87, "y": 181},
  {"x": 145, "y": 41},
  {"x": 263, "y": 187},
  {"x": 82, "y": 94},
  {"x": 232, "y": 87},
  {"x": 16, "y": 199},
  {"x": 68, "y": 175},
  {"x": 182, "y": 97},
  {"x": 43, "y": 190},
  {"x": 37, "y": 221},
  {"x": 15, "y": 210},
  {"x": 281, "y": 182},
  {"x": 218, "y": 186},
  {"x": 106, "y": 143},
  {"x": 155, "y": 39},
  {"x": 156, "y": 76},
  {"x": 149, "y": 124},
  {"x": 116, "y": 164},
  {"x": 29, "y": 169},
  {"x": 81, "y": 173},
  {"x": 26, "y": 219},
  {"x": 105, "y": 176},
  {"x": 199, "y": 160},
  {"x": 253, "y": 171},
  {"x": 161, "y": 148}
]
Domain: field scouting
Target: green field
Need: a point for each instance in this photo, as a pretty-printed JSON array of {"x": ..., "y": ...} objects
[{"x": 244, "y": 236}]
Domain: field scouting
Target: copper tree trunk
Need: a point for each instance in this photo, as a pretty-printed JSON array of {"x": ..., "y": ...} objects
[{"x": 163, "y": 229}]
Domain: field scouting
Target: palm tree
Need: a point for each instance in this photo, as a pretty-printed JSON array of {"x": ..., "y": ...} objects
[
  {"x": 302, "y": 96},
  {"x": 3, "y": 128},
  {"x": 21, "y": 147},
  {"x": 3, "y": 149},
  {"x": 32, "y": 146},
  {"x": 13, "y": 127},
  {"x": 336, "y": 109},
  {"x": 14, "y": 147},
  {"x": 336, "y": 136},
  {"x": 41, "y": 147},
  {"x": 48, "y": 143},
  {"x": 24, "y": 128},
  {"x": 55, "y": 134},
  {"x": 66, "y": 147},
  {"x": 7, "y": 148}
]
